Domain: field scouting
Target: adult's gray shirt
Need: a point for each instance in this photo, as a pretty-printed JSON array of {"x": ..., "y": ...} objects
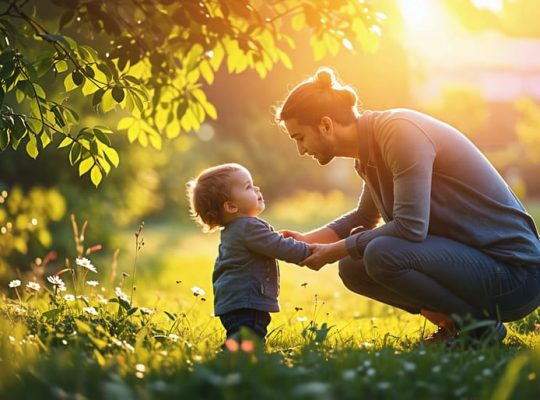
[{"x": 423, "y": 177}]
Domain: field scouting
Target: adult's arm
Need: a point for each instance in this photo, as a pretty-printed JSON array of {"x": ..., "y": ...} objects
[
  {"x": 409, "y": 154},
  {"x": 365, "y": 215}
]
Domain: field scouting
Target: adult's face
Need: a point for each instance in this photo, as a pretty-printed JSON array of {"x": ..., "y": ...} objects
[{"x": 310, "y": 140}]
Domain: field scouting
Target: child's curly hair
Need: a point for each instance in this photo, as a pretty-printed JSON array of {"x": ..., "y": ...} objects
[{"x": 208, "y": 192}]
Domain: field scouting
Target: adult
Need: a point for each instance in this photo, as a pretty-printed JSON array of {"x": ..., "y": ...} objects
[{"x": 456, "y": 244}]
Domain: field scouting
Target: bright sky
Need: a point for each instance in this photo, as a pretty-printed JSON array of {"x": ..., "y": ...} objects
[{"x": 438, "y": 45}]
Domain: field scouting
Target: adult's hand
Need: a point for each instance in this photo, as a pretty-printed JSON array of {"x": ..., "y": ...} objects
[{"x": 322, "y": 254}]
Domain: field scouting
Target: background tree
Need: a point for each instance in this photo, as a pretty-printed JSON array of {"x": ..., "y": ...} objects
[{"x": 148, "y": 60}]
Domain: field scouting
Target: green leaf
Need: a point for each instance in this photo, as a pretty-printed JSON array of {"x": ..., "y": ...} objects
[
  {"x": 112, "y": 156},
  {"x": 118, "y": 94},
  {"x": 19, "y": 128},
  {"x": 132, "y": 311},
  {"x": 61, "y": 66},
  {"x": 31, "y": 147},
  {"x": 66, "y": 142},
  {"x": 95, "y": 177},
  {"x": 99, "y": 358},
  {"x": 69, "y": 85},
  {"x": 102, "y": 137},
  {"x": 107, "y": 102},
  {"x": 207, "y": 72},
  {"x": 52, "y": 313},
  {"x": 2, "y": 95},
  {"x": 4, "y": 138},
  {"x": 78, "y": 78},
  {"x": 89, "y": 71},
  {"x": 83, "y": 327},
  {"x": 75, "y": 153},
  {"x": 172, "y": 317},
  {"x": 85, "y": 165},
  {"x": 125, "y": 123}
]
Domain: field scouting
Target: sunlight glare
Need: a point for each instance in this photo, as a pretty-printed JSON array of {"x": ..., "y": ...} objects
[{"x": 491, "y": 5}]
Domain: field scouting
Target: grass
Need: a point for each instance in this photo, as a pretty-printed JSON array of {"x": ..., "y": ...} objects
[{"x": 326, "y": 343}]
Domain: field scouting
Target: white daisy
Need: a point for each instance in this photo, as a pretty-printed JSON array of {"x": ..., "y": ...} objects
[
  {"x": 90, "y": 310},
  {"x": 69, "y": 297},
  {"x": 56, "y": 280},
  {"x": 92, "y": 283},
  {"x": 121, "y": 294},
  {"x": 197, "y": 291},
  {"x": 34, "y": 286},
  {"x": 14, "y": 283},
  {"x": 85, "y": 263},
  {"x": 147, "y": 311}
]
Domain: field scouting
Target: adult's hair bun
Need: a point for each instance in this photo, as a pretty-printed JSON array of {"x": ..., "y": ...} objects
[{"x": 325, "y": 77}]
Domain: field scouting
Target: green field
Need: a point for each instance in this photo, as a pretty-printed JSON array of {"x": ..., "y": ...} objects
[{"x": 326, "y": 343}]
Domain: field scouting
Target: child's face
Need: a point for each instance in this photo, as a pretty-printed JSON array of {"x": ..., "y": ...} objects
[{"x": 246, "y": 199}]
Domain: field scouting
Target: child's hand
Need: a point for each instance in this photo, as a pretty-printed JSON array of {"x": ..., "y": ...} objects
[
  {"x": 322, "y": 254},
  {"x": 295, "y": 235}
]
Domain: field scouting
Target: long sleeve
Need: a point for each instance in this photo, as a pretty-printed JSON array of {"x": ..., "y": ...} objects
[
  {"x": 261, "y": 239},
  {"x": 409, "y": 155},
  {"x": 365, "y": 215}
]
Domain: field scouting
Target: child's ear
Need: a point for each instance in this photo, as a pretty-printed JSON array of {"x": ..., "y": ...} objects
[{"x": 230, "y": 207}]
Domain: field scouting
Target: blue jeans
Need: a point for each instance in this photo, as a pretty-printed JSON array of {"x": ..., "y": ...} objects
[
  {"x": 442, "y": 275},
  {"x": 255, "y": 320}
]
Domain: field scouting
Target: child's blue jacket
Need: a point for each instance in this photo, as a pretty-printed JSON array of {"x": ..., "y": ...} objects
[{"x": 246, "y": 273}]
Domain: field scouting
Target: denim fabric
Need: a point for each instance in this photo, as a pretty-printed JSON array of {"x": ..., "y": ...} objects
[
  {"x": 442, "y": 275},
  {"x": 255, "y": 320},
  {"x": 246, "y": 273}
]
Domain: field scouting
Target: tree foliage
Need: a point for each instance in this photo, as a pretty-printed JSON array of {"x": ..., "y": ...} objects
[{"x": 149, "y": 61}]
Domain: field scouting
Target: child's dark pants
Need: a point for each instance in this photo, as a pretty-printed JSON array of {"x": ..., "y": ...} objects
[{"x": 255, "y": 320}]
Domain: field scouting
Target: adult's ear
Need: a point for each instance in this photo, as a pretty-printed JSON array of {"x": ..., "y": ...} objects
[
  {"x": 230, "y": 207},
  {"x": 326, "y": 126}
]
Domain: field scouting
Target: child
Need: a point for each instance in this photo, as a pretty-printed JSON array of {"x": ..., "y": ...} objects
[{"x": 246, "y": 273}]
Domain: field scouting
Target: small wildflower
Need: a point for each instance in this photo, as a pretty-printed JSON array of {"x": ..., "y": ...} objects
[
  {"x": 140, "y": 367},
  {"x": 371, "y": 372},
  {"x": 487, "y": 372},
  {"x": 69, "y": 297},
  {"x": 147, "y": 311},
  {"x": 128, "y": 346},
  {"x": 383, "y": 385},
  {"x": 11, "y": 339},
  {"x": 436, "y": 369},
  {"x": 90, "y": 310},
  {"x": 56, "y": 280},
  {"x": 174, "y": 337},
  {"x": 231, "y": 345},
  {"x": 102, "y": 299},
  {"x": 197, "y": 291},
  {"x": 85, "y": 263},
  {"x": 34, "y": 286},
  {"x": 118, "y": 292},
  {"x": 14, "y": 283},
  {"x": 301, "y": 319},
  {"x": 92, "y": 283},
  {"x": 247, "y": 346}
]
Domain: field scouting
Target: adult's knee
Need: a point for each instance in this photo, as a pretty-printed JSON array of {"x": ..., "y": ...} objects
[
  {"x": 378, "y": 259},
  {"x": 353, "y": 275}
]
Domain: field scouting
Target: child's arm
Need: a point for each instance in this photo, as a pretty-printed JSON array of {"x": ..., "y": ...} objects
[{"x": 260, "y": 238}]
